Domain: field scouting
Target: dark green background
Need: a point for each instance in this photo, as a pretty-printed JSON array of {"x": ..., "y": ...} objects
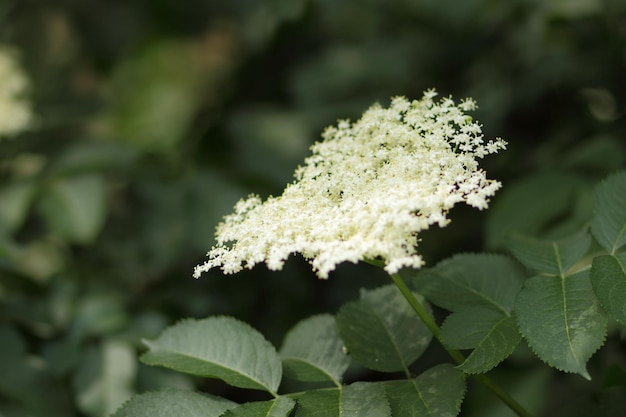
[{"x": 156, "y": 116}]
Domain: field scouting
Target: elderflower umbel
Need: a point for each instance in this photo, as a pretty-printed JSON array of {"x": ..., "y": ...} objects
[
  {"x": 15, "y": 112},
  {"x": 366, "y": 191}
]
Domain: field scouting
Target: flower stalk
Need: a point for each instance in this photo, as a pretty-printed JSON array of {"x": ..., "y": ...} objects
[{"x": 458, "y": 357}]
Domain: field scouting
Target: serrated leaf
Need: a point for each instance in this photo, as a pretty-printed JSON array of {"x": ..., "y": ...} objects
[
  {"x": 437, "y": 392},
  {"x": 313, "y": 351},
  {"x": 381, "y": 330},
  {"x": 75, "y": 207},
  {"x": 561, "y": 320},
  {"x": 552, "y": 257},
  {"x": 218, "y": 347},
  {"x": 278, "y": 407},
  {"x": 492, "y": 334},
  {"x": 472, "y": 280},
  {"x": 609, "y": 203},
  {"x": 608, "y": 277},
  {"x": 174, "y": 403},
  {"x": 361, "y": 399},
  {"x": 105, "y": 378}
]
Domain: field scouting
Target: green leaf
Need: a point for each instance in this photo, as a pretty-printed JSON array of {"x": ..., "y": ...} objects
[
  {"x": 218, "y": 347},
  {"x": 492, "y": 334},
  {"x": 552, "y": 257},
  {"x": 278, "y": 407},
  {"x": 15, "y": 201},
  {"x": 313, "y": 351},
  {"x": 169, "y": 82},
  {"x": 361, "y": 399},
  {"x": 75, "y": 207},
  {"x": 472, "y": 280},
  {"x": 438, "y": 392},
  {"x": 530, "y": 206},
  {"x": 381, "y": 330},
  {"x": 608, "y": 277},
  {"x": 105, "y": 378},
  {"x": 174, "y": 403},
  {"x": 609, "y": 203},
  {"x": 561, "y": 320},
  {"x": 39, "y": 260}
]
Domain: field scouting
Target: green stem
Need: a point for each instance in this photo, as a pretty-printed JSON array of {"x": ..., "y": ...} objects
[
  {"x": 423, "y": 314},
  {"x": 455, "y": 354}
]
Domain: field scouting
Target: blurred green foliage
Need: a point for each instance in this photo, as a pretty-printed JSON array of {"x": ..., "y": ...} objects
[{"x": 154, "y": 117}]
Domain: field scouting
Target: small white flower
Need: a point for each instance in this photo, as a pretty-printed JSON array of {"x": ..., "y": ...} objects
[
  {"x": 15, "y": 112},
  {"x": 366, "y": 191}
]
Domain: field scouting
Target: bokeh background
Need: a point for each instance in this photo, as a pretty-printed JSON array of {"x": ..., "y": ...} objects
[{"x": 153, "y": 117}]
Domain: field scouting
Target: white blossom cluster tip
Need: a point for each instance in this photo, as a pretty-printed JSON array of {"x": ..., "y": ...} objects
[
  {"x": 366, "y": 191},
  {"x": 15, "y": 111}
]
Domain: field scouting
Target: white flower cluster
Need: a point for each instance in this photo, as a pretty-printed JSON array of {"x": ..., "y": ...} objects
[
  {"x": 366, "y": 192},
  {"x": 15, "y": 111}
]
